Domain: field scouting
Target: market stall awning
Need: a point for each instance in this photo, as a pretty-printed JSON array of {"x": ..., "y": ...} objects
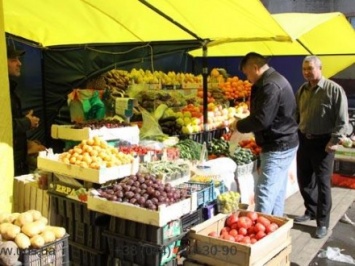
[
  {"x": 221, "y": 20},
  {"x": 327, "y": 35},
  {"x": 68, "y": 22},
  {"x": 71, "y": 22}
]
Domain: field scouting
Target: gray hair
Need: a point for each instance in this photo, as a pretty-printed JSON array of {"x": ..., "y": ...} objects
[{"x": 313, "y": 58}]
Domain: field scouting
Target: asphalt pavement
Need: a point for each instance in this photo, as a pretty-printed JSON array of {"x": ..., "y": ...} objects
[{"x": 342, "y": 237}]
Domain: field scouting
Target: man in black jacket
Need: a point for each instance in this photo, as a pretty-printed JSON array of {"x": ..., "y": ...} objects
[
  {"x": 272, "y": 120},
  {"x": 20, "y": 123}
]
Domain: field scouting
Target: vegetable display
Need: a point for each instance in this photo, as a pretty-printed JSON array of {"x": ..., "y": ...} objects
[
  {"x": 189, "y": 149},
  {"x": 243, "y": 156}
]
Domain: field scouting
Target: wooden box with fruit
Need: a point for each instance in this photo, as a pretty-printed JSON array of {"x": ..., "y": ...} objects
[
  {"x": 240, "y": 238},
  {"x": 92, "y": 160},
  {"x": 142, "y": 198},
  {"x": 106, "y": 129}
]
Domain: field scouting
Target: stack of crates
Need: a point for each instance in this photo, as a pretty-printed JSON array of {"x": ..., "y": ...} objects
[
  {"x": 133, "y": 243},
  {"x": 87, "y": 245}
]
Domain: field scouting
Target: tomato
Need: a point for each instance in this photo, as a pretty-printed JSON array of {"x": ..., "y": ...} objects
[
  {"x": 259, "y": 235},
  {"x": 271, "y": 228},
  {"x": 213, "y": 234},
  {"x": 251, "y": 229},
  {"x": 259, "y": 227},
  {"x": 253, "y": 240},
  {"x": 238, "y": 238},
  {"x": 233, "y": 232},
  {"x": 245, "y": 240},
  {"x": 252, "y": 215},
  {"x": 264, "y": 221},
  {"x": 245, "y": 222},
  {"x": 243, "y": 231},
  {"x": 235, "y": 226},
  {"x": 233, "y": 218},
  {"x": 229, "y": 238},
  {"x": 225, "y": 230}
]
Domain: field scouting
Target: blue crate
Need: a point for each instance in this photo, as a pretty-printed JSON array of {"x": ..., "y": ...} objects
[{"x": 205, "y": 191}]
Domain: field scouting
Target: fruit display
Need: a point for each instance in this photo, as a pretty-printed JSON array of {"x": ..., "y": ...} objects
[
  {"x": 228, "y": 202},
  {"x": 116, "y": 80},
  {"x": 97, "y": 124},
  {"x": 248, "y": 228},
  {"x": 95, "y": 153},
  {"x": 143, "y": 190},
  {"x": 28, "y": 229},
  {"x": 235, "y": 88}
]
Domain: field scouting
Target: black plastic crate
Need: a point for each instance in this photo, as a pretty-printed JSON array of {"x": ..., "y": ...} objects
[
  {"x": 82, "y": 255},
  {"x": 146, "y": 232},
  {"x": 192, "y": 219},
  {"x": 54, "y": 254},
  {"x": 72, "y": 209},
  {"x": 117, "y": 262},
  {"x": 141, "y": 252},
  {"x": 345, "y": 168}
]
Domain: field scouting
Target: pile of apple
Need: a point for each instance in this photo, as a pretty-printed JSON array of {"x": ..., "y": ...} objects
[{"x": 247, "y": 228}]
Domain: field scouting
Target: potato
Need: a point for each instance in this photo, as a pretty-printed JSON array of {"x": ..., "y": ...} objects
[
  {"x": 35, "y": 214},
  {"x": 3, "y": 228},
  {"x": 37, "y": 241},
  {"x": 58, "y": 231},
  {"x": 12, "y": 217},
  {"x": 11, "y": 232},
  {"x": 43, "y": 220},
  {"x": 48, "y": 235},
  {"x": 4, "y": 217},
  {"x": 34, "y": 228},
  {"x": 24, "y": 218},
  {"x": 22, "y": 241}
]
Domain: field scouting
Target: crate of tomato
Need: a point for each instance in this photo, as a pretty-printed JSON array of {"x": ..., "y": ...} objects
[{"x": 239, "y": 238}]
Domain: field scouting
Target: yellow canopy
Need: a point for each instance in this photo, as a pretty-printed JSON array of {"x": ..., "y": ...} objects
[
  {"x": 327, "y": 35},
  {"x": 67, "y": 22}
]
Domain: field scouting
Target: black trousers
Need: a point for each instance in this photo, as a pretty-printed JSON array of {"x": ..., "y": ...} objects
[{"x": 314, "y": 172}]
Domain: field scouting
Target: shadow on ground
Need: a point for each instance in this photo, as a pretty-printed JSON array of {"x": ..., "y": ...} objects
[{"x": 342, "y": 237}]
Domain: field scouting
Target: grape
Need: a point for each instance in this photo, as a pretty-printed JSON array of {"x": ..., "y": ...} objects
[
  {"x": 157, "y": 193},
  {"x": 155, "y": 201},
  {"x": 143, "y": 186},
  {"x": 136, "y": 184},
  {"x": 133, "y": 200},
  {"x": 141, "y": 201},
  {"x": 129, "y": 194}
]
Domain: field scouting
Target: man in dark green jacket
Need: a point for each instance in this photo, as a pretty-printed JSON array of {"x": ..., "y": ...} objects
[{"x": 20, "y": 123}]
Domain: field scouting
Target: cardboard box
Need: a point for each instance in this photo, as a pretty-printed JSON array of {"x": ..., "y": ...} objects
[
  {"x": 345, "y": 154},
  {"x": 131, "y": 212},
  {"x": 214, "y": 251},
  {"x": 52, "y": 164},
  {"x": 67, "y": 132}
]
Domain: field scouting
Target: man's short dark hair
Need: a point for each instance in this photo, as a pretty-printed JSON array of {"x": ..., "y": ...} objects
[
  {"x": 256, "y": 58},
  {"x": 13, "y": 52}
]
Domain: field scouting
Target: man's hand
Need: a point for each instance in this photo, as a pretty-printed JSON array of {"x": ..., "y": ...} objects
[
  {"x": 331, "y": 147},
  {"x": 34, "y": 119}
]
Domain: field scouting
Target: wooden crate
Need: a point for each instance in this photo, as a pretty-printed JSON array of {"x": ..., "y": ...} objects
[
  {"x": 131, "y": 212},
  {"x": 50, "y": 162},
  {"x": 281, "y": 259},
  {"x": 28, "y": 196},
  {"x": 214, "y": 251}
]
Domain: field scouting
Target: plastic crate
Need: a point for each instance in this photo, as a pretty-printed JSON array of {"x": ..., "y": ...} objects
[
  {"x": 209, "y": 210},
  {"x": 54, "y": 254},
  {"x": 81, "y": 255},
  {"x": 140, "y": 252},
  {"x": 192, "y": 219},
  {"x": 210, "y": 134},
  {"x": 346, "y": 168},
  {"x": 72, "y": 209},
  {"x": 205, "y": 191},
  {"x": 117, "y": 262},
  {"x": 146, "y": 232}
]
